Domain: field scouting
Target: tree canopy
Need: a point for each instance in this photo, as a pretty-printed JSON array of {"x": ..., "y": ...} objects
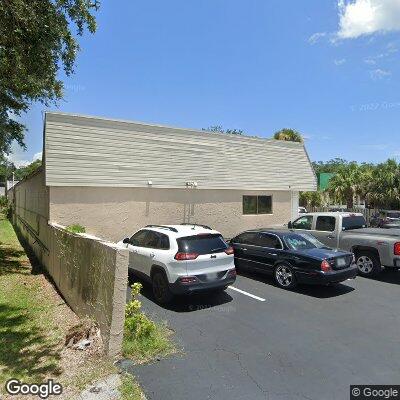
[
  {"x": 8, "y": 168},
  {"x": 289, "y": 135},
  {"x": 36, "y": 40}
]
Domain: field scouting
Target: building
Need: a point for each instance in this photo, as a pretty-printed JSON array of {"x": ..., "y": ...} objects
[
  {"x": 114, "y": 177},
  {"x": 6, "y": 186}
]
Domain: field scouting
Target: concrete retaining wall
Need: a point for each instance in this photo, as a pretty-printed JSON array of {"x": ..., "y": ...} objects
[{"x": 90, "y": 273}]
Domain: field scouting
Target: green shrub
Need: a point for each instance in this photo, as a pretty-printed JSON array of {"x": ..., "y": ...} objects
[
  {"x": 3, "y": 202},
  {"x": 143, "y": 338},
  {"x": 76, "y": 228}
]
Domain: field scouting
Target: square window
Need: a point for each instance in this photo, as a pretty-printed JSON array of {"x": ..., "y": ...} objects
[
  {"x": 257, "y": 204},
  {"x": 249, "y": 204},
  {"x": 264, "y": 205}
]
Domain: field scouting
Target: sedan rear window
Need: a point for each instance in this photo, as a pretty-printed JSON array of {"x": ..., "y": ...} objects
[
  {"x": 353, "y": 222},
  {"x": 202, "y": 244}
]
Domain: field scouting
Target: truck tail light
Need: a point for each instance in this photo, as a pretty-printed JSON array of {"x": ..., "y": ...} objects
[
  {"x": 325, "y": 266},
  {"x": 229, "y": 250},
  {"x": 185, "y": 256},
  {"x": 397, "y": 249}
]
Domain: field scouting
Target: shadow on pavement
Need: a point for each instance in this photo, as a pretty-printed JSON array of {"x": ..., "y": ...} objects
[
  {"x": 317, "y": 291},
  {"x": 182, "y": 304},
  {"x": 388, "y": 275}
]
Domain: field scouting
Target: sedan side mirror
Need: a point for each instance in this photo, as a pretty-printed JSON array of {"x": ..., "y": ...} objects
[
  {"x": 126, "y": 241},
  {"x": 290, "y": 225}
]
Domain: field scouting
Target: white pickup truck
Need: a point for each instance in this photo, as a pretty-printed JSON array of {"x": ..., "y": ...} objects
[{"x": 374, "y": 248}]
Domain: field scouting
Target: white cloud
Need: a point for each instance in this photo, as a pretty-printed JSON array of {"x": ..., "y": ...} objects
[
  {"x": 378, "y": 73},
  {"x": 18, "y": 156},
  {"x": 377, "y": 146},
  {"x": 365, "y": 17},
  {"x": 339, "y": 62},
  {"x": 37, "y": 156},
  {"x": 370, "y": 61},
  {"x": 390, "y": 50},
  {"x": 316, "y": 37}
]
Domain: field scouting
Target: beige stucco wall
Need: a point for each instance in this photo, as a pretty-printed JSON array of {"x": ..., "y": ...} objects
[
  {"x": 90, "y": 273},
  {"x": 114, "y": 213}
]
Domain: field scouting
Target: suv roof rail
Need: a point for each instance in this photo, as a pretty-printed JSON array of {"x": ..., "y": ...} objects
[
  {"x": 203, "y": 226},
  {"x": 170, "y": 228}
]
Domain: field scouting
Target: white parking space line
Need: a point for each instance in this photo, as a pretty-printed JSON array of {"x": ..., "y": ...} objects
[{"x": 246, "y": 293}]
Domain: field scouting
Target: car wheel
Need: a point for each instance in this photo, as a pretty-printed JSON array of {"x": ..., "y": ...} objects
[
  {"x": 161, "y": 291},
  {"x": 368, "y": 263},
  {"x": 285, "y": 277}
]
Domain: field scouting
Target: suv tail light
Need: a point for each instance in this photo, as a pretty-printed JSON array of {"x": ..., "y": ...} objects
[
  {"x": 188, "y": 279},
  {"x": 229, "y": 250},
  {"x": 232, "y": 273},
  {"x": 397, "y": 249},
  {"x": 185, "y": 256},
  {"x": 325, "y": 266}
]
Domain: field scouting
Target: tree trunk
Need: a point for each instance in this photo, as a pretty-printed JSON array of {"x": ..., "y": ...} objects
[{"x": 350, "y": 202}]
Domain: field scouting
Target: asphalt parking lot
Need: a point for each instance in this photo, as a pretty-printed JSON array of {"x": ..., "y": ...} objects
[{"x": 311, "y": 343}]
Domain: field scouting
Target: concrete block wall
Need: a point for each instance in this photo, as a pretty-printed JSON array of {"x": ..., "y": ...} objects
[{"x": 90, "y": 273}]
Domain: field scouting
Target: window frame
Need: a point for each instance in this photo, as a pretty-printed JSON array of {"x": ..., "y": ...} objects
[
  {"x": 325, "y": 216},
  {"x": 148, "y": 232},
  {"x": 145, "y": 231},
  {"x": 244, "y": 242},
  {"x": 304, "y": 229},
  {"x": 257, "y": 204},
  {"x": 261, "y": 234}
]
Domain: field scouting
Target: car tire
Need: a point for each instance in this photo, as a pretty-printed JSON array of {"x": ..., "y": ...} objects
[
  {"x": 161, "y": 291},
  {"x": 285, "y": 277},
  {"x": 368, "y": 264}
]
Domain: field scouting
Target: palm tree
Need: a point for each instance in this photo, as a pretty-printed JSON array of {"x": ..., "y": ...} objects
[
  {"x": 349, "y": 182},
  {"x": 289, "y": 135},
  {"x": 384, "y": 187}
]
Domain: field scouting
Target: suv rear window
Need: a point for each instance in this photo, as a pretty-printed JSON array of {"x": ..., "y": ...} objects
[{"x": 202, "y": 244}]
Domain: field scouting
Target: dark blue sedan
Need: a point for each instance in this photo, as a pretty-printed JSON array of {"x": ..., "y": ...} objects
[{"x": 292, "y": 257}]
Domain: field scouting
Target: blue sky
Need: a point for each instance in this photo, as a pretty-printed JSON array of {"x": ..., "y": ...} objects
[{"x": 329, "y": 69}]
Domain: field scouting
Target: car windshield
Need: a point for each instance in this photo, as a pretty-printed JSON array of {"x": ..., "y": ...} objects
[
  {"x": 202, "y": 244},
  {"x": 394, "y": 215},
  {"x": 353, "y": 222},
  {"x": 297, "y": 241}
]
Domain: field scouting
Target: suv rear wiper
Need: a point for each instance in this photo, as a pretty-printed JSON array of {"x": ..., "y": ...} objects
[{"x": 218, "y": 249}]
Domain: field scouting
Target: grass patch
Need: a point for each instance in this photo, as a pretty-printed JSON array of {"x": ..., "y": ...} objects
[
  {"x": 144, "y": 340},
  {"x": 28, "y": 337},
  {"x": 129, "y": 388},
  {"x": 146, "y": 348},
  {"x": 76, "y": 228},
  {"x": 34, "y": 321}
]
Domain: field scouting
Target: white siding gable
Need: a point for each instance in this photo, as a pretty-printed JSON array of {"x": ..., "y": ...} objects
[{"x": 89, "y": 151}]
